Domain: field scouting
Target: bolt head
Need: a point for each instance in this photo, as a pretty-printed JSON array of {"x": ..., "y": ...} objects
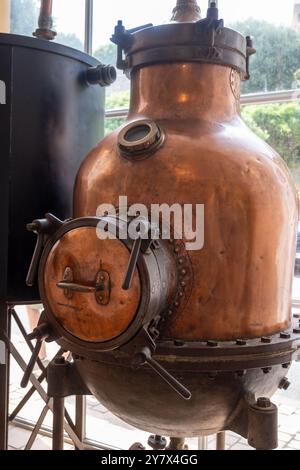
[
  {"x": 212, "y": 344},
  {"x": 285, "y": 335},
  {"x": 179, "y": 343},
  {"x": 296, "y": 331},
  {"x": 60, "y": 361},
  {"x": 284, "y": 384},
  {"x": 241, "y": 342},
  {"x": 266, "y": 340},
  {"x": 263, "y": 402}
]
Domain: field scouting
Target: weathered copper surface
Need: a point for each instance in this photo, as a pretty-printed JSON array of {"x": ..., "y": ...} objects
[
  {"x": 243, "y": 276},
  {"x": 80, "y": 313}
]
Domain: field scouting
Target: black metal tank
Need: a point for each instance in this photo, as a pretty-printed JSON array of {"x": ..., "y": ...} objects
[{"x": 50, "y": 117}]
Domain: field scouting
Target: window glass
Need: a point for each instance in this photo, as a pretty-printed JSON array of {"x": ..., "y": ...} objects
[
  {"x": 278, "y": 124},
  {"x": 24, "y": 16},
  {"x": 69, "y": 22}
]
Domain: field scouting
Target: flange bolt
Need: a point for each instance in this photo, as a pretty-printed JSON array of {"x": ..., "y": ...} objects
[
  {"x": 264, "y": 402},
  {"x": 284, "y": 384}
]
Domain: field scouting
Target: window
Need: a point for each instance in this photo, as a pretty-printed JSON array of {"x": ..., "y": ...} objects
[{"x": 69, "y": 27}]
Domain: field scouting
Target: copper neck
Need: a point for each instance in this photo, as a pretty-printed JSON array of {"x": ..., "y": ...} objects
[{"x": 185, "y": 91}]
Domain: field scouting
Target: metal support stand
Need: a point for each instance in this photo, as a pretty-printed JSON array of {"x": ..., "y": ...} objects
[
  {"x": 202, "y": 443},
  {"x": 80, "y": 417},
  {"x": 63, "y": 381},
  {"x": 221, "y": 441},
  {"x": 58, "y": 423}
]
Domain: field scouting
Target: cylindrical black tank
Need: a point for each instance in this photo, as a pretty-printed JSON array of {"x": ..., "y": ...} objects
[{"x": 50, "y": 118}]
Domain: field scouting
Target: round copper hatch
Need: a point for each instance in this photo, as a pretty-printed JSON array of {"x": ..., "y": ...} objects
[{"x": 83, "y": 279}]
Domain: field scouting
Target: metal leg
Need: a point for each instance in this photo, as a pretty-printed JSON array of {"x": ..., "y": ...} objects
[
  {"x": 202, "y": 443},
  {"x": 58, "y": 423},
  {"x": 80, "y": 415},
  {"x": 4, "y": 374},
  {"x": 221, "y": 438},
  {"x": 31, "y": 391},
  {"x": 69, "y": 429}
]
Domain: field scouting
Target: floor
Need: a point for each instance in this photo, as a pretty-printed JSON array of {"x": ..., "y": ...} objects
[{"x": 106, "y": 429}]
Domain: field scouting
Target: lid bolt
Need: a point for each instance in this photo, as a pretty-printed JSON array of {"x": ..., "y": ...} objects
[{"x": 212, "y": 12}]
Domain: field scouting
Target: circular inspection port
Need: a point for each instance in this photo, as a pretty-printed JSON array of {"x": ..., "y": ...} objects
[{"x": 140, "y": 139}]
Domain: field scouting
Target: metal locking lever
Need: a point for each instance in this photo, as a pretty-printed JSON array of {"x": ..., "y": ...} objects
[
  {"x": 148, "y": 235},
  {"x": 134, "y": 256},
  {"x": 42, "y": 228},
  {"x": 145, "y": 357}
]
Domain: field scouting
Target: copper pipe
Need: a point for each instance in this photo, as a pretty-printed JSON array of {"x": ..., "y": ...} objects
[{"x": 45, "y": 23}]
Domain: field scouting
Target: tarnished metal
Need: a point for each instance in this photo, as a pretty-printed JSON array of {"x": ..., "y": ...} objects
[
  {"x": 263, "y": 425},
  {"x": 221, "y": 441}
]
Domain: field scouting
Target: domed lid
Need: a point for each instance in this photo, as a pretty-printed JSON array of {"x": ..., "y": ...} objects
[
  {"x": 187, "y": 38},
  {"x": 83, "y": 287}
]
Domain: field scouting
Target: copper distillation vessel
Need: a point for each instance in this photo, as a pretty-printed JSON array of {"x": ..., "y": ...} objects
[{"x": 176, "y": 342}]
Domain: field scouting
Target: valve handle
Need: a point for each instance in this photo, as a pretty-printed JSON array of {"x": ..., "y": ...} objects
[
  {"x": 31, "y": 364},
  {"x": 145, "y": 357},
  {"x": 134, "y": 256},
  {"x": 33, "y": 268},
  {"x": 40, "y": 333},
  {"x": 42, "y": 228},
  {"x": 73, "y": 287}
]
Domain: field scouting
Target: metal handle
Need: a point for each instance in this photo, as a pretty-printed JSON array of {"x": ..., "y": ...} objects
[
  {"x": 42, "y": 228},
  {"x": 32, "y": 271},
  {"x": 40, "y": 333},
  {"x": 145, "y": 357},
  {"x": 134, "y": 256},
  {"x": 73, "y": 287},
  {"x": 31, "y": 363}
]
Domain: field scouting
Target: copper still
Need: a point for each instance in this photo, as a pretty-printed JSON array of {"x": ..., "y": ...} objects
[{"x": 178, "y": 342}]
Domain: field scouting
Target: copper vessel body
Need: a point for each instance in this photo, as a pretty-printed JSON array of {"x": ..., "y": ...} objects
[{"x": 243, "y": 275}]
